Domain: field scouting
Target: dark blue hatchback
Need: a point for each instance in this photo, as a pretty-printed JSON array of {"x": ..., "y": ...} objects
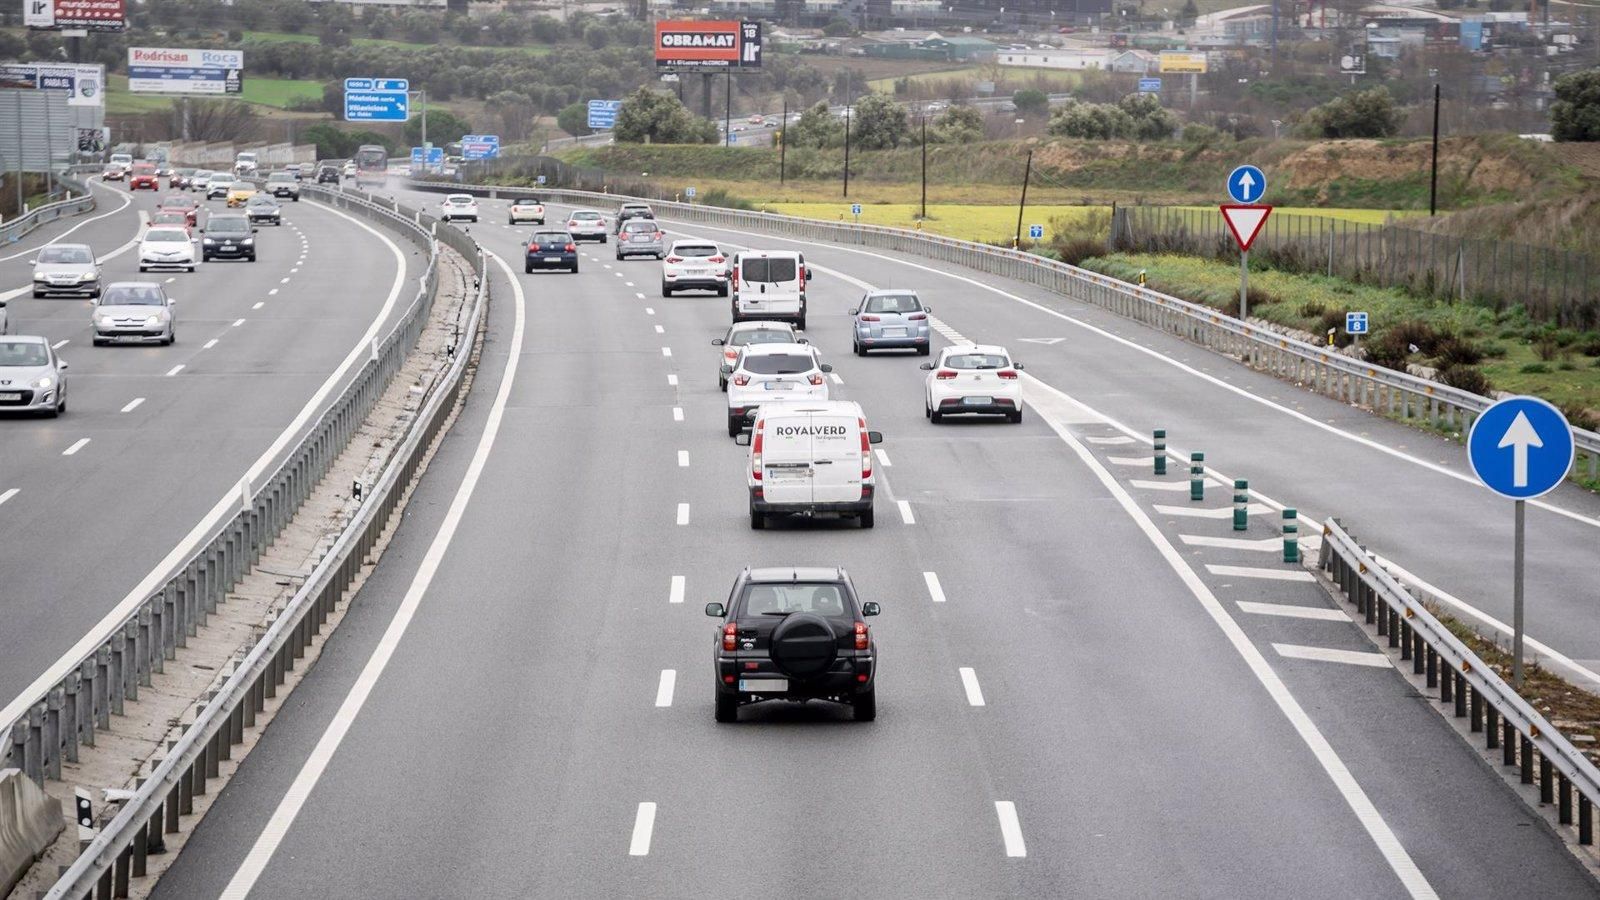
[{"x": 551, "y": 249}]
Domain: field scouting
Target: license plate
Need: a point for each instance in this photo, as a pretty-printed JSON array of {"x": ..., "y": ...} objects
[
  {"x": 764, "y": 685},
  {"x": 778, "y": 386},
  {"x": 11, "y": 395},
  {"x": 894, "y": 332},
  {"x": 978, "y": 401},
  {"x": 787, "y": 473},
  {"x": 696, "y": 272},
  {"x": 552, "y": 259},
  {"x": 641, "y": 239}
]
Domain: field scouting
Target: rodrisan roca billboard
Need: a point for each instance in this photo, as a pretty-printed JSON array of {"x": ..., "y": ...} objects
[{"x": 694, "y": 44}]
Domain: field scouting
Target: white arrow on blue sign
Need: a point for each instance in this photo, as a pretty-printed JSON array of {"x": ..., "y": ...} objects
[
  {"x": 1036, "y": 231},
  {"x": 1521, "y": 447},
  {"x": 1246, "y": 184}
]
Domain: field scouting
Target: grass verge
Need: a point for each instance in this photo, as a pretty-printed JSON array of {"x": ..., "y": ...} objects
[{"x": 274, "y": 92}]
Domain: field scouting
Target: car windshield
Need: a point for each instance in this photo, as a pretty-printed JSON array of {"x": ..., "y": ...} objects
[
  {"x": 784, "y": 599},
  {"x": 550, "y": 237},
  {"x": 764, "y": 269},
  {"x": 129, "y": 295},
  {"x": 779, "y": 364},
  {"x": 166, "y": 236},
  {"x": 22, "y": 353},
  {"x": 977, "y": 361},
  {"x": 57, "y": 255},
  {"x": 892, "y": 303},
  {"x": 695, "y": 250},
  {"x": 760, "y": 336},
  {"x": 227, "y": 226}
]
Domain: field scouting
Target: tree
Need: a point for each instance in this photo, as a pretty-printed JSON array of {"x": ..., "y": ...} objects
[
  {"x": 443, "y": 127},
  {"x": 1030, "y": 101},
  {"x": 1358, "y": 114},
  {"x": 221, "y": 120},
  {"x": 1150, "y": 121},
  {"x": 515, "y": 111},
  {"x": 879, "y": 123},
  {"x": 597, "y": 36},
  {"x": 816, "y": 127},
  {"x": 574, "y": 119},
  {"x": 839, "y": 28},
  {"x": 649, "y": 117},
  {"x": 958, "y": 125},
  {"x": 1575, "y": 115},
  {"x": 1189, "y": 13},
  {"x": 293, "y": 17},
  {"x": 1091, "y": 121}
]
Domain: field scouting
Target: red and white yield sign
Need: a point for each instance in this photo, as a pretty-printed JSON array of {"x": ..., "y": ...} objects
[{"x": 1245, "y": 221}]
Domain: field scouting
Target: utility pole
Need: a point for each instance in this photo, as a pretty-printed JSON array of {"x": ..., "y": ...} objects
[
  {"x": 783, "y": 135},
  {"x": 1027, "y": 172},
  {"x": 924, "y": 165},
  {"x": 847, "y": 117},
  {"x": 1433, "y": 177}
]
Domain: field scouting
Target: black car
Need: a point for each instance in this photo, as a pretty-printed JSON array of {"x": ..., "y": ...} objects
[
  {"x": 262, "y": 208},
  {"x": 227, "y": 236},
  {"x": 551, "y": 250},
  {"x": 633, "y": 211},
  {"x": 328, "y": 175},
  {"x": 794, "y": 634}
]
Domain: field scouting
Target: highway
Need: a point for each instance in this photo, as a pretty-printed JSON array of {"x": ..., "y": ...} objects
[
  {"x": 1073, "y": 698},
  {"x": 155, "y": 437}
]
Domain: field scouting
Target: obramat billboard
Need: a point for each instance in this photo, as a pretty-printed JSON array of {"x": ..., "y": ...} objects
[{"x": 692, "y": 44}]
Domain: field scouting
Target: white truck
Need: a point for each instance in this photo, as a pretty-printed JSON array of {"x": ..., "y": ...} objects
[{"x": 245, "y": 163}]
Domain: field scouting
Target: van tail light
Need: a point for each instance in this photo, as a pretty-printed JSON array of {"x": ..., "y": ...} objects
[
  {"x": 741, "y": 379},
  {"x": 866, "y": 451},
  {"x": 572, "y": 248},
  {"x": 870, "y": 319},
  {"x": 674, "y": 259},
  {"x": 755, "y": 452},
  {"x": 730, "y": 636},
  {"x": 917, "y": 317},
  {"x": 863, "y": 637},
  {"x": 944, "y": 375},
  {"x": 1008, "y": 374},
  {"x": 815, "y": 378}
]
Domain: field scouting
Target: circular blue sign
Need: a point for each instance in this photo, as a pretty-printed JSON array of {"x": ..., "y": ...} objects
[
  {"x": 1521, "y": 447},
  {"x": 1247, "y": 184}
]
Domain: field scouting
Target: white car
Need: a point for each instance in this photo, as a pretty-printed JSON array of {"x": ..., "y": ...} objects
[
  {"x": 694, "y": 265},
  {"x": 587, "y": 225},
  {"x": 741, "y": 334},
  {"x": 527, "y": 211},
  {"x": 459, "y": 206},
  {"x": 166, "y": 247},
  {"x": 201, "y": 180},
  {"x": 973, "y": 378},
  {"x": 773, "y": 373},
  {"x": 808, "y": 459}
]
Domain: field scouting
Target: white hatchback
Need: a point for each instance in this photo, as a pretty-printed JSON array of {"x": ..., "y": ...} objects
[
  {"x": 973, "y": 378},
  {"x": 773, "y": 373},
  {"x": 459, "y": 206},
  {"x": 694, "y": 265},
  {"x": 587, "y": 225},
  {"x": 166, "y": 248},
  {"x": 526, "y": 211}
]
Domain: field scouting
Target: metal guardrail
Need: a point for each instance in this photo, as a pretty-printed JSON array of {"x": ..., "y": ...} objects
[
  {"x": 1476, "y": 692},
  {"x": 38, "y": 733},
  {"x": 14, "y": 230},
  {"x": 1332, "y": 374}
]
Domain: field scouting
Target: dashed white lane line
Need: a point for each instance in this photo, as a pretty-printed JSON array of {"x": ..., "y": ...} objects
[
  {"x": 1201, "y": 512},
  {"x": 1293, "y": 612},
  {"x": 836, "y": 378},
  {"x": 8, "y": 494},
  {"x": 675, "y": 589},
  {"x": 1148, "y": 462},
  {"x": 677, "y": 414},
  {"x": 1268, "y": 574},
  {"x": 76, "y": 446},
  {"x": 283, "y": 280},
  {"x": 666, "y": 351},
  {"x": 237, "y": 322},
  {"x": 935, "y": 590},
  {"x": 1115, "y": 440},
  {"x": 293, "y": 271},
  {"x": 272, "y": 293},
  {"x": 669, "y": 680},
  {"x": 259, "y": 304},
  {"x": 618, "y": 274},
  {"x": 209, "y": 344},
  {"x": 1266, "y": 545},
  {"x": 172, "y": 279},
  {"x": 1010, "y": 828},
  {"x": 660, "y": 330},
  {"x": 628, "y": 283},
  {"x": 969, "y": 682},
  {"x": 883, "y": 458},
  {"x": 1324, "y": 654},
  {"x": 59, "y": 344},
  {"x": 672, "y": 379},
  {"x": 644, "y": 823},
  {"x": 133, "y": 404},
  {"x": 905, "y": 512},
  {"x": 175, "y": 370},
  {"x": 683, "y": 459},
  {"x": 683, "y": 513},
  {"x": 647, "y": 310},
  {"x": 607, "y": 265}
]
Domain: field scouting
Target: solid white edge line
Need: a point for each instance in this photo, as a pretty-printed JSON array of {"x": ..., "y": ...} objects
[
  {"x": 905, "y": 512},
  {"x": 683, "y": 513},
  {"x": 68, "y": 661},
  {"x": 133, "y": 404},
  {"x": 300, "y": 790},
  {"x": 644, "y": 824},
  {"x": 8, "y": 494},
  {"x": 1399, "y": 860},
  {"x": 1325, "y": 654},
  {"x": 675, "y": 589},
  {"x": 935, "y": 590},
  {"x": 1010, "y": 828},
  {"x": 969, "y": 682},
  {"x": 669, "y": 678}
]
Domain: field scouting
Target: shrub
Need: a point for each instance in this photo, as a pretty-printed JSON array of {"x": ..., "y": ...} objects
[
  {"x": 1359, "y": 114},
  {"x": 1548, "y": 348},
  {"x": 1312, "y": 309},
  {"x": 1589, "y": 346},
  {"x": 1494, "y": 350},
  {"x": 1581, "y": 416},
  {"x": 1388, "y": 353},
  {"x": 1075, "y": 250},
  {"x": 1454, "y": 350},
  {"x": 721, "y": 197},
  {"x": 1466, "y": 378},
  {"x": 1413, "y": 332},
  {"x": 1537, "y": 368}
]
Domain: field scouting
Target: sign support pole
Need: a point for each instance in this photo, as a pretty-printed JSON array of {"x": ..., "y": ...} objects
[
  {"x": 1244, "y": 285},
  {"x": 1517, "y": 568},
  {"x": 1027, "y": 173}
]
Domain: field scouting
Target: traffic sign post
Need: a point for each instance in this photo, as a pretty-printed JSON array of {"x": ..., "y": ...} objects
[
  {"x": 1149, "y": 85},
  {"x": 855, "y": 210},
  {"x": 1355, "y": 325},
  {"x": 1035, "y": 232},
  {"x": 1520, "y": 448},
  {"x": 689, "y": 192},
  {"x": 1244, "y": 221}
]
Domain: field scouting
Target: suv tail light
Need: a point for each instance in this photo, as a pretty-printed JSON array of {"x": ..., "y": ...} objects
[
  {"x": 917, "y": 317},
  {"x": 730, "y": 635},
  {"x": 755, "y": 451},
  {"x": 674, "y": 259},
  {"x": 741, "y": 379},
  {"x": 870, "y": 319},
  {"x": 944, "y": 375},
  {"x": 815, "y": 378},
  {"x": 1008, "y": 374},
  {"x": 863, "y": 637},
  {"x": 866, "y": 451},
  {"x": 716, "y": 259}
]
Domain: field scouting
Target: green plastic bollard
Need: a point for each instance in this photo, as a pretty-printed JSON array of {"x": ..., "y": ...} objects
[
  {"x": 1161, "y": 451},
  {"x": 1197, "y": 476},
  {"x": 1291, "y": 538},
  {"x": 1241, "y": 504}
]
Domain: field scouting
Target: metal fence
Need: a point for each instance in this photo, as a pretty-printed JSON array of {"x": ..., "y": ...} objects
[
  {"x": 1553, "y": 285},
  {"x": 40, "y": 731},
  {"x": 13, "y": 231},
  {"x": 1385, "y": 391},
  {"x": 1507, "y": 722}
]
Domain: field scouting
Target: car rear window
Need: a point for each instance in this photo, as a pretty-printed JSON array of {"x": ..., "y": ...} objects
[
  {"x": 696, "y": 250},
  {"x": 760, "y": 336},
  {"x": 977, "y": 361},
  {"x": 639, "y": 226},
  {"x": 893, "y": 303},
  {"x": 784, "y": 599},
  {"x": 585, "y": 216},
  {"x": 551, "y": 237},
  {"x": 765, "y": 269},
  {"x": 779, "y": 364}
]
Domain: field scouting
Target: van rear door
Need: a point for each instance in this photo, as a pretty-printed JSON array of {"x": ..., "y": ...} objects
[
  {"x": 786, "y": 469},
  {"x": 835, "y": 459},
  {"x": 769, "y": 284}
]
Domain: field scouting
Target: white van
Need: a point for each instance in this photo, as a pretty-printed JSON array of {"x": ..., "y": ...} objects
[
  {"x": 769, "y": 284},
  {"x": 809, "y": 458}
]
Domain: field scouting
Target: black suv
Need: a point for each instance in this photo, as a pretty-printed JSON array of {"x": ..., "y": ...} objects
[
  {"x": 794, "y": 634},
  {"x": 328, "y": 175},
  {"x": 227, "y": 236}
]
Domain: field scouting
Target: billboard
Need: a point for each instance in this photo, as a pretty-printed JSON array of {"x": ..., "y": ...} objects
[
  {"x": 84, "y": 84},
  {"x": 90, "y": 15},
  {"x": 1183, "y": 63},
  {"x": 165, "y": 70},
  {"x": 694, "y": 44}
]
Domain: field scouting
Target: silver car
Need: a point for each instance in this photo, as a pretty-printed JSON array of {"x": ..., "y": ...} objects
[
  {"x": 66, "y": 269},
  {"x": 587, "y": 225},
  {"x": 32, "y": 377},
  {"x": 201, "y": 180},
  {"x": 890, "y": 319},
  {"x": 135, "y": 311},
  {"x": 640, "y": 237}
]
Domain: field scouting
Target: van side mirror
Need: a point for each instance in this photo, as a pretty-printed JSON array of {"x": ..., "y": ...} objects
[
  {"x": 871, "y": 608},
  {"x": 742, "y": 439},
  {"x": 926, "y": 367},
  {"x": 718, "y": 342},
  {"x": 810, "y": 274},
  {"x": 826, "y": 368},
  {"x": 715, "y": 610},
  {"x": 874, "y": 437}
]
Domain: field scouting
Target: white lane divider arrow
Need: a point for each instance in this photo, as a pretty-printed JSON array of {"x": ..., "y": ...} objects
[{"x": 1519, "y": 437}]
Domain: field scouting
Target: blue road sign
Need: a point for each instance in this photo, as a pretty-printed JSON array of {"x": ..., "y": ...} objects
[
  {"x": 689, "y": 192},
  {"x": 481, "y": 139},
  {"x": 479, "y": 149},
  {"x": 1149, "y": 85},
  {"x": 1246, "y": 184},
  {"x": 541, "y": 179},
  {"x": 419, "y": 157},
  {"x": 1036, "y": 231},
  {"x": 376, "y": 100},
  {"x": 603, "y": 113},
  {"x": 1355, "y": 323},
  {"x": 435, "y": 157},
  {"x": 1521, "y": 447},
  {"x": 855, "y": 209}
]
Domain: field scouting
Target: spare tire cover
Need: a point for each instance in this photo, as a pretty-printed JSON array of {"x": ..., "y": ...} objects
[{"x": 803, "y": 645}]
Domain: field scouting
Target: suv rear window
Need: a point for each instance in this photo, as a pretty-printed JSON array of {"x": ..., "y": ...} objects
[
  {"x": 765, "y": 269},
  {"x": 782, "y": 599},
  {"x": 779, "y": 364},
  {"x": 696, "y": 250},
  {"x": 893, "y": 303}
]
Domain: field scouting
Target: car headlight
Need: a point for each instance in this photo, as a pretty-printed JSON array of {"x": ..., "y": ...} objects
[
  {"x": 102, "y": 320},
  {"x": 248, "y": 241},
  {"x": 211, "y": 242},
  {"x": 44, "y": 382},
  {"x": 152, "y": 321}
]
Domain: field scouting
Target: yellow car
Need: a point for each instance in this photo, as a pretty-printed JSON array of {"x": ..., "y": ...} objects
[{"x": 240, "y": 194}]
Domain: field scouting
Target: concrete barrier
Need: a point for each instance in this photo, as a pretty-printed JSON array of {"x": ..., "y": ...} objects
[{"x": 30, "y": 819}]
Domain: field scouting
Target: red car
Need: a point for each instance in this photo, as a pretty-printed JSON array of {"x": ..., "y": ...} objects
[
  {"x": 183, "y": 204},
  {"x": 143, "y": 176}
]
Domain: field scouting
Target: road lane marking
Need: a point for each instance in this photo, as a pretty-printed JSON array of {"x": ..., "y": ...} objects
[
  {"x": 93, "y": 182},
  {"x": 1324, "y": 654},
  {"x": 1265, "y": 545},
  {"x": 209, "y": 344},
  {"x": 677, "y": 414},
  {"x": 905, "y": 512},
  {"x": 935, "y": 590},
  {"x": 284, "y": 280},
  {"x": 883, "y": 458},
  {"x": 1111, "y": 441},
  {"x": 672, "y": 379},
  {"x": 175, "y": 370},
  {"x": 172, "y": 279},
  {"x": 1293, "y": 612},
  {"x": 628, "y": 284},
  {"x": 272, "y": 293},
  {"x": 683, "y": 513},
  {"x": 259, "y": 304},
  {"x": 1201, "y": 512},
  {"x": 59, "y": 344},
  {"x": 644, "y": 823},
  {"x": 1268, "y": 574},
  {"x": 660, "y": 330},
  {"x": 683, "y": 459},
  {"x": 77, "y": 445},
  {"x": 1010, "y": 828},
  {"x": 647, "y": 310},
  {"x": 133, "y": 404},
  {"x": 675, "y": 589},
  {"x": 237, "y": 322},
  {"x": 8, "y": 494},
  {"x": 1159, "y": 485},
  {"x": 669, "y": 678},
  {"x": 836, "y": 378},
  {"x": 969, "y": 682},
  {"x": 322, "y": 754},
  {"x": 1148, "y": 462},
  {"x": 666, "y": 351},
  {"x": 293, "y": 271}
]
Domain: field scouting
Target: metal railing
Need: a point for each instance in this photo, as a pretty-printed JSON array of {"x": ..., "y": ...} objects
[
  {"x": 1465, "y": 681},
  {"x": 1332, "y": 374},
  {"x": 14, "y": 230},
  {"x": 39, "y": 732}
]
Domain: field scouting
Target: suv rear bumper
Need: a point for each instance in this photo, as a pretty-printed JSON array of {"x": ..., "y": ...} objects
[{"x": 847, "y": 677}]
